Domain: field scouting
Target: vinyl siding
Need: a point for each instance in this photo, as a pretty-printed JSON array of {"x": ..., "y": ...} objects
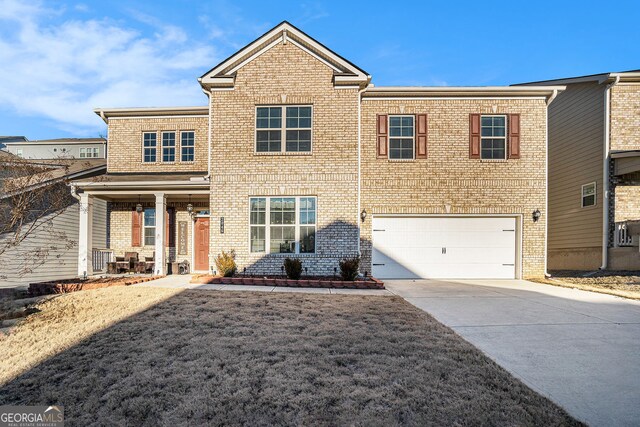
[
  {"x": 61, "y": 262},
  {"x": 576, "y": 143}
]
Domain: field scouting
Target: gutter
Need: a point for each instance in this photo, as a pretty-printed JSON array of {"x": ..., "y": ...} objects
[
  {"x": 74, "y": 191},
  {"x": 605, "y": 175}
]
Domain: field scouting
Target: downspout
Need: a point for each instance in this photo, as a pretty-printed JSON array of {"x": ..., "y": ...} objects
[
  {"x": 208, "y": 177},
  {"x": 605, "y": 176},
  {"x": 358, "y": 221},
  {"x": 546, "y": 180}
]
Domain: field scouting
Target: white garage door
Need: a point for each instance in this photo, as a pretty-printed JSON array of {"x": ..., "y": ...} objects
[{"x": 436, "y": 247}]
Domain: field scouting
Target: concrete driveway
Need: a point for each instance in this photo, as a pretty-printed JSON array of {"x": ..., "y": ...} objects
[{"x": 581, "y": 349}]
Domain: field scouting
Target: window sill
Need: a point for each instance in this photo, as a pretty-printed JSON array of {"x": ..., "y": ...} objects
[
  {"x": 401, "y": 160},
  {"x": 494, "y": 160},
  {"x": 281, "y": 153},
  {"x": 283, "y": 254}
]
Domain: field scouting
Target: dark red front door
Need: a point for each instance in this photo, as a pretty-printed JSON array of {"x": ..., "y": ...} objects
[{"x": 201, "y": 244}]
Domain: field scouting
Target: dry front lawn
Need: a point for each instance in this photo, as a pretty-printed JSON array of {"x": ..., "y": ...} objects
[{"x": 146, "y": 356}]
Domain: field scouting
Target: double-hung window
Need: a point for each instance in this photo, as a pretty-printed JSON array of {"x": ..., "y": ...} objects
[
  {"x": 493, "y": 137},
  {"x": 149, "y": 146},
  {"x": 283, "y": 129},
  {"x": 282, "y": 224},
  {"x": 589, "y": 195},
  {"x": 401, "y": 137},
  {"x": 168, "y": 146},
  {"x": 149, "y": 229},
  {"x": 187, "y": 144}
]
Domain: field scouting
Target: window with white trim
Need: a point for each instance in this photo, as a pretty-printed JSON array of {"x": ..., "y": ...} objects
[
  {"x": 282, "y": 224},
  {"x": 187, "y": 146},
  {"x": 89, "y": 152},
  {"x": 401, "y": 137},
  {"x": 284, "y": 129},
  {"x": 168, "y": 146},
  {"x": 149, "y": 227},
  {"x": 589, "y": 195},
  {"x": 19, "y": 152},
  {"x": 149, "y": 142},
  {"x": 493, "y": 137}
]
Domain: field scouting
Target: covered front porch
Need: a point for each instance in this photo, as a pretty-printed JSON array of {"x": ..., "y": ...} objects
[
  {"x": 625, "y": 251},
  {"x": 154, "y": 227}
]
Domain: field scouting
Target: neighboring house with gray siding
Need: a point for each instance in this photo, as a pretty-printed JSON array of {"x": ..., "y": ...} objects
[
  {"x": 594, "y": 172},
  {"x": 63, "y": 148},
  {"x": 51, "y": 252}
]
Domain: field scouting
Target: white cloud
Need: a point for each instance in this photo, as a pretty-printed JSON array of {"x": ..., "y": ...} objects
[{"x": 62, "y": 71}]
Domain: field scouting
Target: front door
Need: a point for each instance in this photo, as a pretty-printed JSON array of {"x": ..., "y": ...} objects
[{"x": 201, "y": 244}]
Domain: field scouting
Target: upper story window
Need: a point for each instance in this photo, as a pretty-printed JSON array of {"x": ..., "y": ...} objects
[
  {"x": 89, "y": 152},
  {"x": 282, "y": 224},
  {"x": 187, "y": 146},
  {"x": 589, "y": 195},
  {"x": 168, "y": 146},
  {"x": 493, "y": 137},
  {"x": 19, "y": 152},
  {"x": 283, "y": 129},
  {"x": 149, "y": 146},
  {"x": 401, "y": 137}
]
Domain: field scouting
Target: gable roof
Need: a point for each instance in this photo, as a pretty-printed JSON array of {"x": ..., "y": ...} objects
[{"x": 345, "y": 72}]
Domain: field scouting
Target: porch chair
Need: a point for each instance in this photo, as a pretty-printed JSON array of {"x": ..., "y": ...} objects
[{"x": 149, "y": 263}]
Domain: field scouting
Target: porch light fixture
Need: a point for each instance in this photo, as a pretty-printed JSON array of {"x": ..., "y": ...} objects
[
  {"x": 189, "y": 206},
  {"x": 363, "y": 215},
  {"x": 139, "y": 206},
  {"x": 536, "y": 215}
]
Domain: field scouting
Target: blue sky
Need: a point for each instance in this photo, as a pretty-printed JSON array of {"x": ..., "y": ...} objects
[{"x": 59, "y": 60}]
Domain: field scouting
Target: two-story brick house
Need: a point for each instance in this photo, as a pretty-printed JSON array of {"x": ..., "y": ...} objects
[
  {"x": 594, "y": 172},
  {"x": 299, "y": 155}
]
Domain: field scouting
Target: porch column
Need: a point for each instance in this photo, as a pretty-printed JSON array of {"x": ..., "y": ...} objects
[
  {"x": 161, "y": 208},
  {"x": 85, "y": 237}
]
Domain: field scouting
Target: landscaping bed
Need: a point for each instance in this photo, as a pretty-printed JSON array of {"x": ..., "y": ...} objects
[
  {"x": 624, "y": 284},
  {"x": 73, "y": 285},
  {"x": 307, "y": 282}
]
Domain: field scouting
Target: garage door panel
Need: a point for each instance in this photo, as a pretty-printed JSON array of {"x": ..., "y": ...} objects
[{"x": 412, "y": 247}]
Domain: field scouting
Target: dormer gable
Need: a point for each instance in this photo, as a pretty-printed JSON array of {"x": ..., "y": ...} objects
[{"x": 345, "y": 73}]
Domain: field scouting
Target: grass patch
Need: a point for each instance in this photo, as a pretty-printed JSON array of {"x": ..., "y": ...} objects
[{"x": 142, "y": 356}]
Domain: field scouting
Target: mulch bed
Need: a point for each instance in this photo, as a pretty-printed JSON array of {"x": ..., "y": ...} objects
[
  {"x": 74, "y": 285},
  {"x": 307, "y": 282}
]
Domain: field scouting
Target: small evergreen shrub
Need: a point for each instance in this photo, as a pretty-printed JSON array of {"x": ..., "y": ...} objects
[
  {"x": 226, "y": 263},
  {"x": 349, "y": 268},
  {"x": 293, "y": 267}
]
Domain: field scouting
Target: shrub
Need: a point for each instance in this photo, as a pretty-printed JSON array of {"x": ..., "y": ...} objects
[
  {"x": 293, "y": 267},
  {"x": 226, "y": 263},
  {"x": 349, "y": 268}
]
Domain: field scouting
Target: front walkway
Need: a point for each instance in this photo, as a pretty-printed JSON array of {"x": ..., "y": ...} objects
[
  {"x": 581, "y": 349},
  {"x": 183, "y": 281}
]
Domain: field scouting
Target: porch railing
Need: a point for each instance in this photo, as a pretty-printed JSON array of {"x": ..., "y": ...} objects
[
  {"x": 100, "y": 258},
  {"x": 622, "y": 235}
]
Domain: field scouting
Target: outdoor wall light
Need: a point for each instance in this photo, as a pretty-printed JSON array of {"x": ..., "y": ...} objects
[
  {"x": 536, "y": 215},
  {"x": 189, "y": 206},
  {"x": 363, "y": 215},
  {"x": 139, "y": 206}
]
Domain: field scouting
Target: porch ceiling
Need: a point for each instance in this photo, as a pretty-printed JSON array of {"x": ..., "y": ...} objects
[{"x": 626, "y": 162}]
